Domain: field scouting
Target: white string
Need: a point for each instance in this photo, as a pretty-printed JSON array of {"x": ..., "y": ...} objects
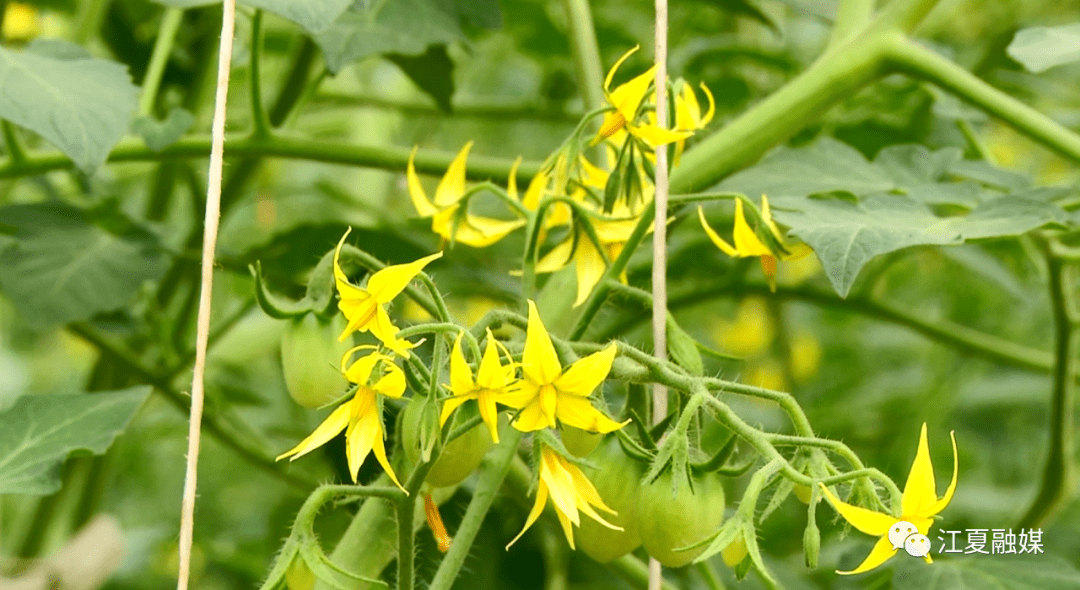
[
  {"x": 202, "y": 335},
  {"x": 659, "y": 270}
]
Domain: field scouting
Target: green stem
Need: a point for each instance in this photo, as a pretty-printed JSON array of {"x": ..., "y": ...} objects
[
  {"x": 159, "y": 58},
  {"x": 488, "y": 483},
  {"x": 851, "y": 17},
  {"x": 15, "y": 153},
  {"x": 634, "y": 572},
  {"x": 709, "y": 575},
  {"x": 586, "y": 52},
  {"x": 920, "y": 62},
  {"x": 388, "y": 158},
  {"x": 1058, "y": 477},
  {"x": 260, "y": 119},
  {"x": 88, "y": 19},
  {"x": 479, "y": 109}
]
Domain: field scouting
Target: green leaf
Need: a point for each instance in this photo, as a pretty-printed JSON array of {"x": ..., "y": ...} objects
[
  {"x": 1040, "y": 48},
  {"x": 432, "y": 72},
  {"x": 313, "y": 15},
  {"x": 81, "y": 105},
  {"x": 845, "y": 235},
  {"x": 39, "y": 431},
  {"x": 159, "y": 135},
  {"x": 62, "y": 268},
  {"x": 1005, "y": 572},
  {"x": 405, "y": 27}
]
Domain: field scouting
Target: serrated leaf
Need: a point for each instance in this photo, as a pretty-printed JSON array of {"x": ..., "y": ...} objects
[
  {"x": 39, "y": 431},
  {"x": 61, "y": 268},
  {"x": 1040, "y": 48},
  {"x": 159, "y": 135},
  {"x": 313, "y": 15},
  {"x": 81, "y": 105},
  {"x": 1007, "y": 572},
  {"x": 1008, "y": 215},
  {"x": 406, "y": 27}
]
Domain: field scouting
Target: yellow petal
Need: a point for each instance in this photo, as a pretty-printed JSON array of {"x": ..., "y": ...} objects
[
  {"x": 461, "y": 377},
  {"x": 526, "y": 394},
  {"x": 881, "y": 552},
  {"x": 582, "y": 377},
  {"x": 627, "y": 97},
  {"x": 360, "y": 370},
  {"x": 489, "y": 414},
  {"x": 560, "y": 485},
  {"x": 539, "y": 363},
  {"x": 867, "y": 521},
  {"x": 557, "y": 258},
  {"x": 452, "y": 186},
  {"x": 511, "y": 181},
  {"x": 567, "y": 528},
  {"x": 392, "y": 280},
  {"x": 392, "y": 384},
  {"x": 331, "y": 427},
  {"x": 612, "y": 123},
  {"x": 585, "y": 489},
  {"x": 380, "y": 455},
  {"x": 537, "y": 509},
  {"x": 531, "y": 200},
  {"x": 746, "y": 241},
  {"x": 611, "y": 72},
  {"x": 449, "y": 406},
  {"x": 490, "y": 374},
  {"x": 416, "y": 190},
  {"x": 531, "y": 417},
  {"x": 920, "y": 491},
  {"x": 579, "y": 413},
  {"x": 364, "y": 429},
  {"x": 944, "y": 501},
  {"x": 589, "y": 266},
  {"x": 480, "y": 232},
  {"x": 687, "y": 109},
  {"x": 383, "y": 329},
  {"x": 548, "y": 401},
  {"x": 592, "y": 175},
  {"x": 657, "y": 136},
  {"x": 715, "y": 237},
  {"x": 712, "y": 108}
]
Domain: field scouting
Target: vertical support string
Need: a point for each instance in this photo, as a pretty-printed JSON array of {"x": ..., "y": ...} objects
[
  {"x": 659, "y": 269},
  {"x": 202, "y": 335}
]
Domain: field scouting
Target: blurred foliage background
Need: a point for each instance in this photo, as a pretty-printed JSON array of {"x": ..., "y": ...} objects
[{"x": 863, "y": 376}]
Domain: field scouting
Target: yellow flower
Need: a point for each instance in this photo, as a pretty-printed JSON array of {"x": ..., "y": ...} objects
[
  {"x": 493, "y": 380},
  {"x": 363, "y": 307},
  {"x": 448, "y": 218},
  {"x": 588, "y": 261},
  {"x": 360, "y": 417},
  {"x": 626, "y": 99},
  {"x": 21, "y": 22},
  {"x": 748, "y": 244},
  {"x": 571, "y": 492},
  {"x": 548, "y": 391},
  {"x": 557, "y": 213},
  {"x": 919, "y": 504},
  {"x": 688, "y": 115}
]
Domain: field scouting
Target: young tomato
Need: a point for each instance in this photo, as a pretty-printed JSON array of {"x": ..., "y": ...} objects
[
  {"x": 579, "y": 442},
  {"x": 667, "y": 522},
  {"x": 616, "y": 478},
  {"x": 459, "y": 458},
  {"x": 310, "y": 353}
]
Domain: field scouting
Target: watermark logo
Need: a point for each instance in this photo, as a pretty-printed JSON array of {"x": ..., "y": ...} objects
[{"x": 1002, "y": 542}]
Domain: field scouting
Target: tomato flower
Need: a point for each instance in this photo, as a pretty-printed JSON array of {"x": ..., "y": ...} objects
[
  {"x": 448, "y": 218},
  {"x": 363, "y": 307},
  {"x": 548, "y": 391},
  {"x": 748, "y": 244},
  {"x": 626, "y": 99},
  {"x": 578, "y": 247},
  {"x": 919, "y": 504},
  {"x": 361, "y": 416},
  {"x": 493, "y": 380},
  {"x": 571, "y": 492},
  {"x": 688, "y": 115}
]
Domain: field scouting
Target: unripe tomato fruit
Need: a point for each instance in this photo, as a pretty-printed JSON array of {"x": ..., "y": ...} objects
[
  {"x": 459, "y": 458},
  {"x": 579, "y": 442},
  {"x": 616, "y": 478},
  {"x": 310, "y": 355},
  {"x": 668, "y": 522}
]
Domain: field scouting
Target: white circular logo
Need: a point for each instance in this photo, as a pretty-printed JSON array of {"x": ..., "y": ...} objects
[
  {"x": 900, "y": 531},
  {"x": 917, "y": 545}
]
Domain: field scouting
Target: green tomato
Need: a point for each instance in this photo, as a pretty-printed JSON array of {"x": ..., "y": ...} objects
[
  {"x": 310, "y": 355},
  {"x": 459, "y": 458},
  {"x": 579, "y": 442},
  {"x": 668, "y": 522},
  {"x": 616, "y": 478}
]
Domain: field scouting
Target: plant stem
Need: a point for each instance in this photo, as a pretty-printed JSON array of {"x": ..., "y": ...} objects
[
  {"x": 634, "y": 572},
  {"x": 708, "y": 573},
  {"x": 920, "y": 62},
  {"x": 260, "y": 119},
  {"x": 1058, "y": 477},
  {"x": 159, "y": 58},
  {"x": 586, "y": 52},
  {"x": 497, "y": 464},
  {"x": 390, "y": 158},
  {"x": 15, "y": 153},
  {"x": 851, "y": 17},
  {"x": 488, "y": 109}
]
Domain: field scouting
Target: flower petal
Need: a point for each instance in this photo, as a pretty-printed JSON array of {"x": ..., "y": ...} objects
[
  {"x": 589, "y": 266},
  {"x": 715, "y": 237},
  {"x": 449, "y": 406},
  {"x": 580, "y": 413},
  {"x": 582, "y": 377},
  {"x": 881, "y": 553},
  {"x": 712, "y": 108},
  {"x": 388, "y": 282},
  {"x": 537, "y": 509},
  {"x": 920, "y": 491},
  {"x": 461, "y": 377},
  {"x": 867, "y": 521},
  {"x": 511, "y": 180},
  {"x": 557, "y": 258},
  {"x": 560, "y": 485},
  {"x": 364, "y": 428},
  {"x": 392, "y": 384},
  {"x": 480, "y": 232},
  {"x": 490, "y": 374},
  {"x": 549, "y": 400},
  {"x": 614, "y": 68},
  {"x": 627, "y": 97},
  {"x": 383, "y": 329},
  {"x": 331, "y": 427},
  {"x": 531, "y": 199},
  {"x": 944, "y": 501},
  {"x": 424, "y": 207},
  {"x": 657, "y": 136},
  {"x": 531, "y": 417},
  {"x": 539, "y": 362},
  {"x": 489, "y": 414},
  {"x": 380, "y": 455},
  {"x": 360, "y": 370},
  {"x": 452, "y": 186},
  {"x": 746, "y": 241}
]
